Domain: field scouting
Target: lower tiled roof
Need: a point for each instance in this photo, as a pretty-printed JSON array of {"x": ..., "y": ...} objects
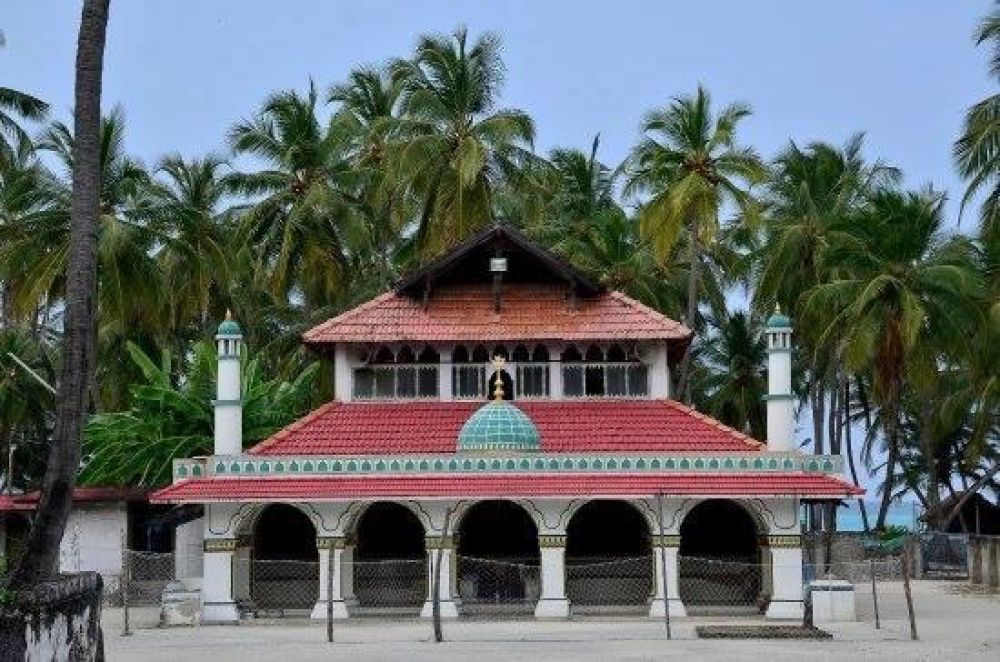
[
  {"x": 565, "y": 426},
  {"x": 491, "y": 485}
]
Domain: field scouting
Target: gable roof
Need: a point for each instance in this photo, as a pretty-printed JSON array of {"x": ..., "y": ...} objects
[
  {"x": 507, "y": 240},
  {"x": 528, "y": 312},
  {"x": 349, "y": 428}
]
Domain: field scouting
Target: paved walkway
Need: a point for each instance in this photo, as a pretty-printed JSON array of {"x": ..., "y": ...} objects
[{"x": 953, "y": 623}]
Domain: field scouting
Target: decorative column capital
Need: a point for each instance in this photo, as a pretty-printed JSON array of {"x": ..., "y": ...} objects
[
  {"x": 330, "y": 542},
  {"x": 780, "y": 541},
  {"x": 439, "y": 542},
  {"x": 549, "y": 541},
  {"x": 669, "y": 540},
  {"x": 220, "y": 544}
]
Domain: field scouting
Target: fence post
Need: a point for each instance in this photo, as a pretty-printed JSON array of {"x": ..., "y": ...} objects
[
  {"x": 906, "y": 592},
  {"x": 124, "y": 583},
  {"x": 874, "y": 594},
  {"x": 663, "y": 565},
  {"x": 436, "y": 587},
  {"x": 329, "y": 594}
]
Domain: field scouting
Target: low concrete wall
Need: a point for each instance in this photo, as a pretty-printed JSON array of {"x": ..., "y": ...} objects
[{"x": 56, "y": 620}]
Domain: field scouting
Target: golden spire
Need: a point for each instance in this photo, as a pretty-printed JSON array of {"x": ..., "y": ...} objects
[
  {"x": 229, "y": 314},
  {"x": 498, "y": 363}
]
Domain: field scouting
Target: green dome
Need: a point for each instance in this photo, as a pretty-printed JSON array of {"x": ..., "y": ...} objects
[
  {"x": 229, "y": 327},
  {"x": 498, "y": 425},
  {"x": 779, "y": 321}
]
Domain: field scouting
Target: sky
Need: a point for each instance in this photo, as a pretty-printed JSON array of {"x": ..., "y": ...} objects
[{"x": 187, "y": 70}]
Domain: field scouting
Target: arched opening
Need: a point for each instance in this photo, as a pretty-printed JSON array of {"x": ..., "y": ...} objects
[
  {"x": 498, "y": 557},
  {"x": 284, "y": 570},
  {"x": 390, "y": 560},
  {"x": 720, "y": 561},
  {"x": 609, "y": 556}
]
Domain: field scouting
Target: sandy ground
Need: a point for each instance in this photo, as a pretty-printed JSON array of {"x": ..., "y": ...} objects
[{"x": 953, "y": 622}]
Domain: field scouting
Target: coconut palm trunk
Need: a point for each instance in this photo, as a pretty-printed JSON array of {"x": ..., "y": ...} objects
[
  {"x": 41, "y": 557},
  {"x": 690, "y": 316}
]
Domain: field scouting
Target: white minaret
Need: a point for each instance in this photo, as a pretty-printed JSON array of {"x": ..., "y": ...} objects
[
  {"x": 228, "y": 403},
  {"x": 780, "y": 405}
]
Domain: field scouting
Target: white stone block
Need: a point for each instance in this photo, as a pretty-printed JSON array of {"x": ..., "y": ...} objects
[{"x": 833, "y": 601}]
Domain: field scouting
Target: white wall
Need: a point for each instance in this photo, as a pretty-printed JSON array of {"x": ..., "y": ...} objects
[{"x": 93, "y": 538}]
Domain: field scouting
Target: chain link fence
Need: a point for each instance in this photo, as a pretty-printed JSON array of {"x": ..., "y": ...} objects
[{"x": 496, "y": 589}]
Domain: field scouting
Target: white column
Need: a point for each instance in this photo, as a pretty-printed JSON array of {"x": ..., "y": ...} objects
[
  {"x": 673, "y": 580},
  {"x": 555, "y": 372},
  {"x": 444, "y": 375},
  {"x": 659, "y": 372},
  {"x": 342, "y": 386},
  {"x": 447, "y": 603},
  {"x": 553, "y": 602},
  {"x": 228, "y": 406},
  {"x": 786, "y": 577},
  {"x": 217, "y": 604},
  {"x": 326, "y": 548}
]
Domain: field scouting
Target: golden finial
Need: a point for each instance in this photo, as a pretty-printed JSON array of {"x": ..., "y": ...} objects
[
  {"x": 498, "y": 363},
  {"x": 777, "y": 308},
  {"x": 229, "y": 314}
]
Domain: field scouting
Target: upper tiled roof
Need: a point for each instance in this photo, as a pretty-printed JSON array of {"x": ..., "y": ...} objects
[
  {"x": 528, "y": 312},
  {"x": 565, "y": 426},
  {"x": 217, "y": 489}
]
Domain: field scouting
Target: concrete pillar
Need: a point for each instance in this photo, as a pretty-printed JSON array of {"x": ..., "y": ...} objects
[
  {"x": 553, "y": 602},
  {"x": 672, "y": 547},
  {"x": 326, "y": 548},
  {"x": 217, "y": 598},
  {"x": 448, "y": 607},
  {"x": 786, "y": 578},
  {"x": 974, "y": 557},
  {"x": 991, "y": 563},
  {"x": 188, "y": 555}
]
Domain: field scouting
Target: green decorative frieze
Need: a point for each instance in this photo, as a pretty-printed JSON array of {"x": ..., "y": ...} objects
[{"x": 463, "y": 463}]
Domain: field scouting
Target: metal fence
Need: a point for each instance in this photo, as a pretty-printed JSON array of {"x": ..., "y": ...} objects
[{"x": 494, "y": 589}]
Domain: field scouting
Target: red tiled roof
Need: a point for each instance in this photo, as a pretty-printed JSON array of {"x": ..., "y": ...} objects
[
  {"x": 565, "y": 426},
  {"x": 29, "y": 501},
  {"x": 508, "y": 485},
  {"x": 528, "y": 312}
]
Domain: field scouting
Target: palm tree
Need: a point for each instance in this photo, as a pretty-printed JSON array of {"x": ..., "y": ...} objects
[
  {"x": 186, "y": 218},
  {"x": 977, "y": 151},
  {"x": 14, "y": 105},
  {"x": 689, "y": 165},
  {"x": 41, "y": 557},
  {"x": 301, "y": 205},
  {"x": 453, "y": 149},
  {"x": 900, "y": 290},
  {"x": 27, "y": 196},
  {"x": 811, "y": 194},
  {"x": 735, "y": 379},
  {"x": 367, "y": 108}
]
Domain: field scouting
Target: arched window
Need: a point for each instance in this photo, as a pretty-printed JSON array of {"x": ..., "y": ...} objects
[
  {"x": 614, "y": 373},
  {"x": 499, "y": 350},
  {"x": 460, "y": 354},
  {"x": 384, "y": 355},
  {"x": 480, "y": 354},
  {"x": 532, "y": 372},
  {"x": 571, "y": 353},
  {"x": 521, "y": 354},
  {"x": 540, "y": 353}
]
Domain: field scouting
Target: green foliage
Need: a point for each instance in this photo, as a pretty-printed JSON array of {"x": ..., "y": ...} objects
[{"x": 171, "y": 417}]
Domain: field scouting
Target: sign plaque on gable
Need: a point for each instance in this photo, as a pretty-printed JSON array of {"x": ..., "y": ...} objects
[{"x": 498, "y": 265}]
